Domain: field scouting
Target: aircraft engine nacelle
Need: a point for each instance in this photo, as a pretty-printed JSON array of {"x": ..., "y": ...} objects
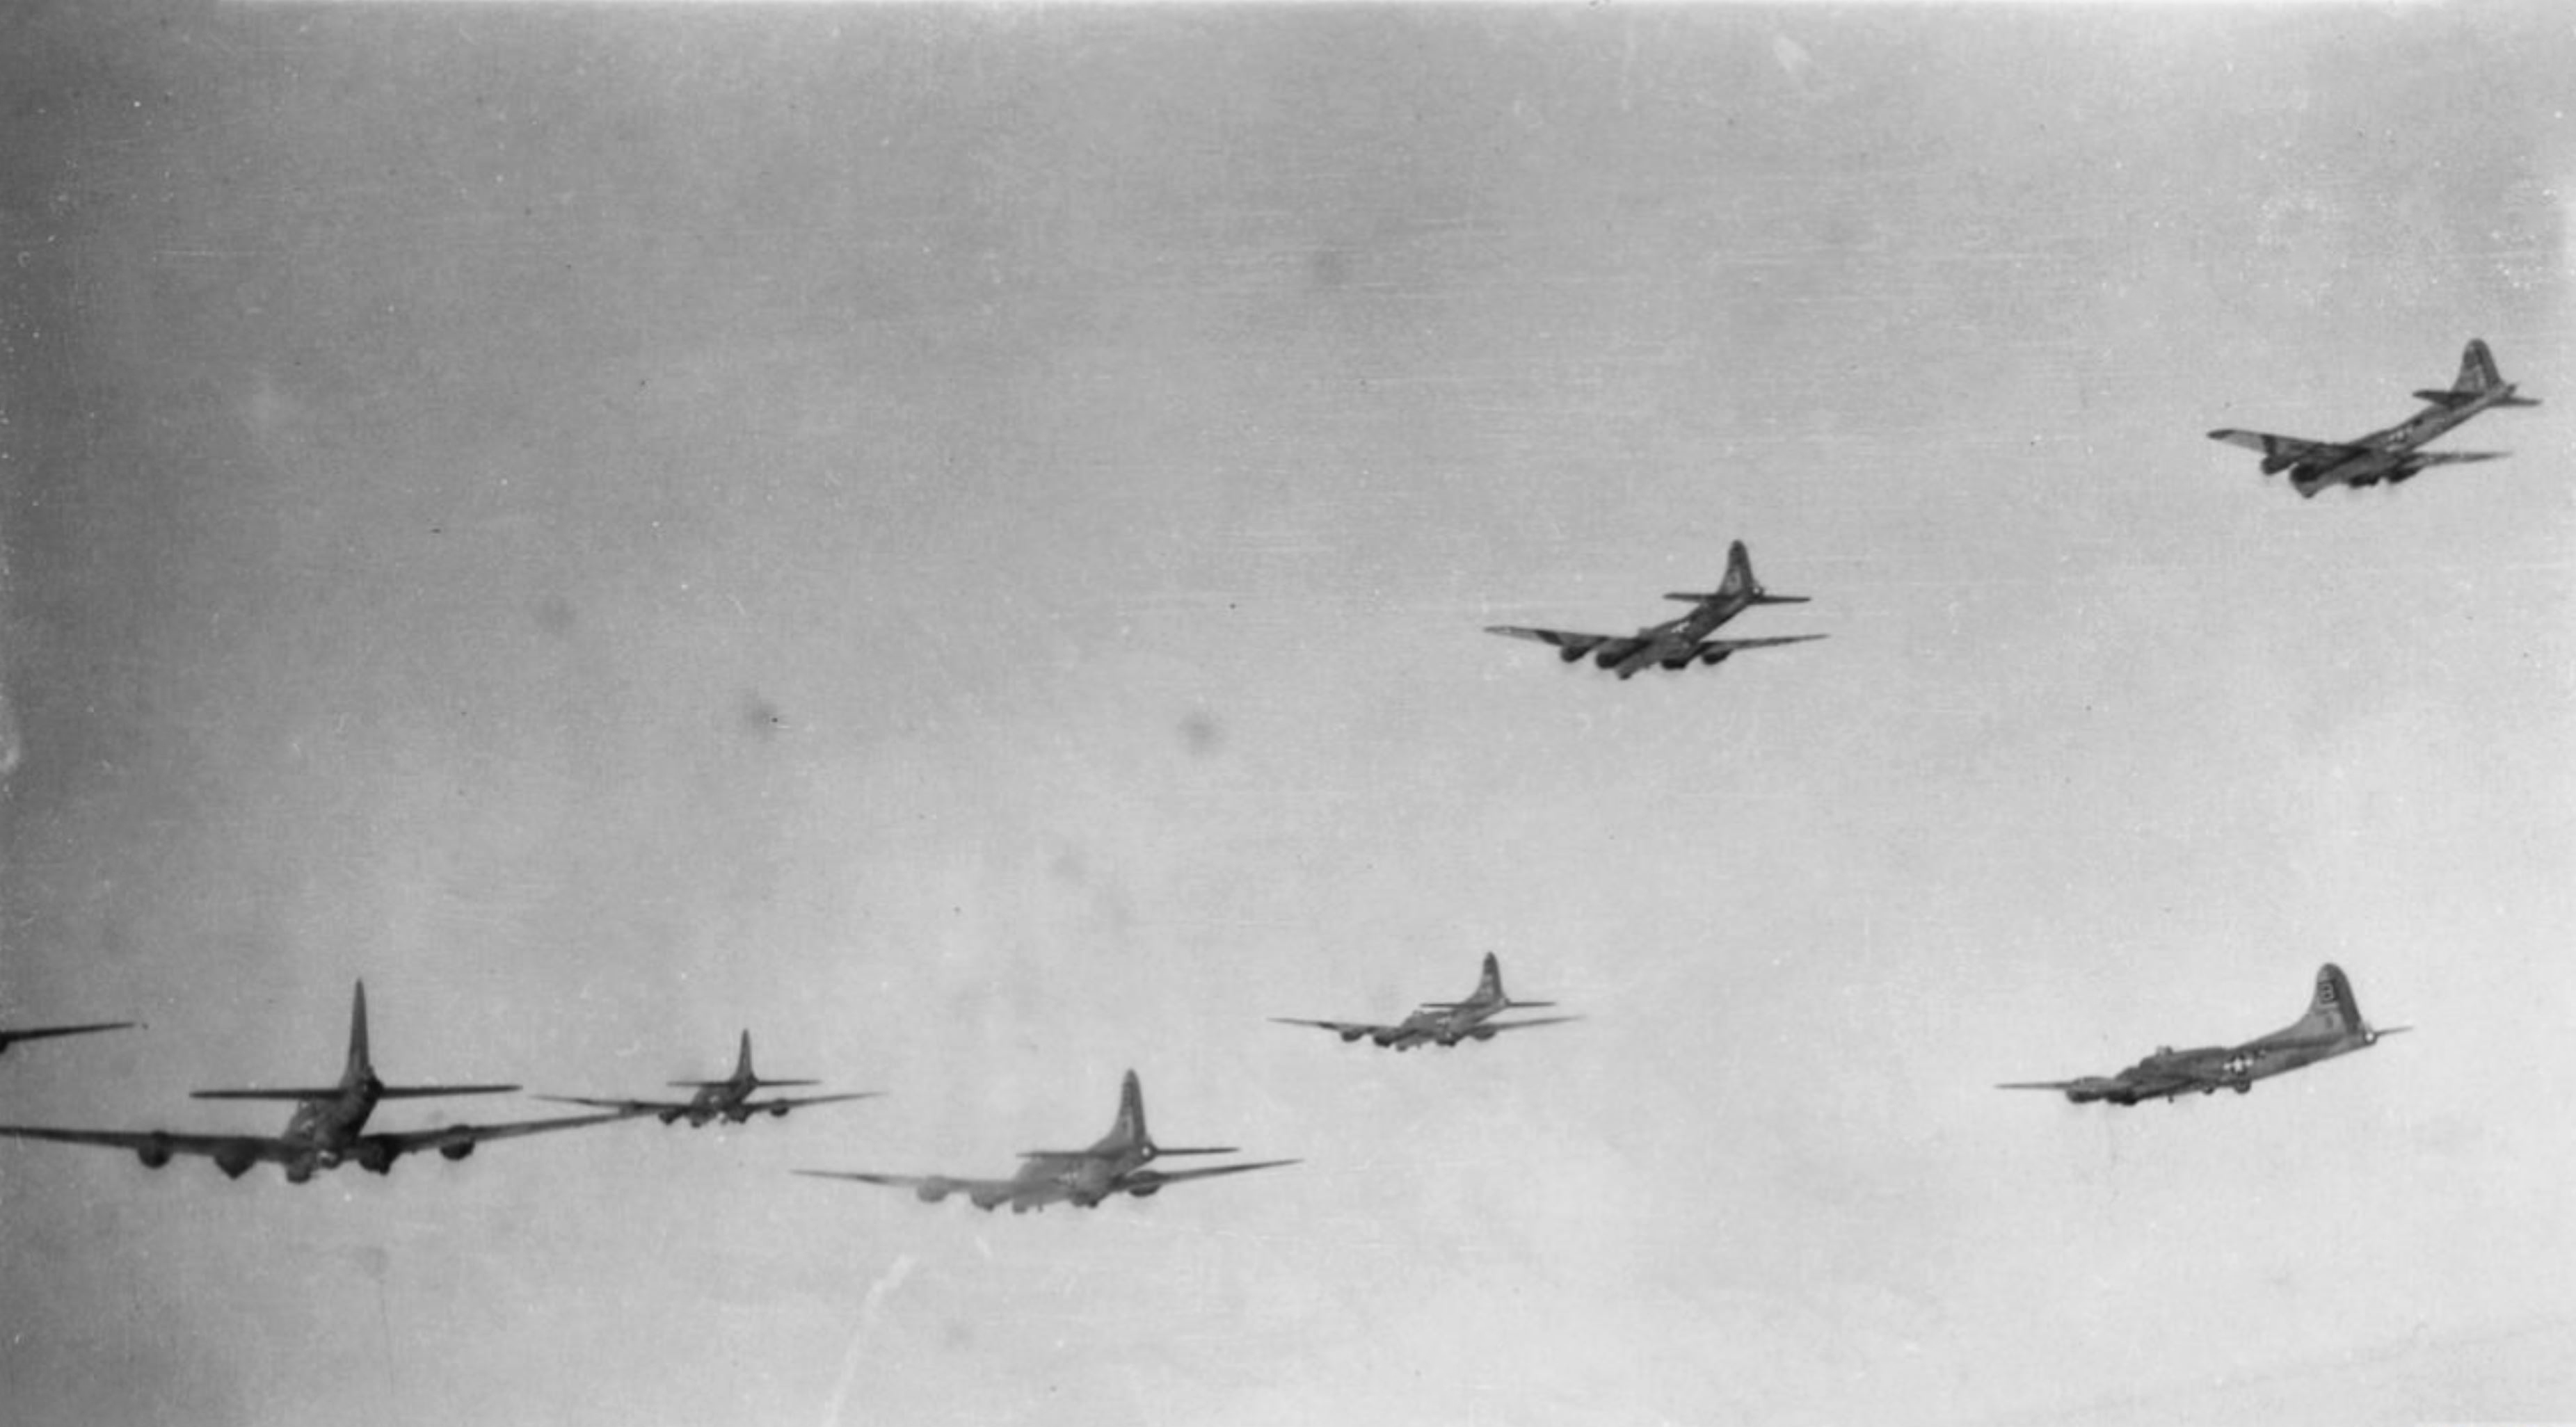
[
  {"x": 667, "y": 1116},
  {"x": 1142, "y": 1191},
  {"x": 779, "y": 1112},
  {"x": 155, "y": 1154},
  {"x": 236, "y": 1160},
  {"x": 1571, "y": 656},
  {"x": 455, "y": 1150},
  {"x": 1484, "y": 1035},
  {"x": 1350, "y": 1036},
  {"x": 2275, "y": 465},
  {"x": 374, "y": 1158},
  {"x": 931, "y": 1191},
  {"x": 1715, "y": 656},
  {"x": 300, "y": 1171}
]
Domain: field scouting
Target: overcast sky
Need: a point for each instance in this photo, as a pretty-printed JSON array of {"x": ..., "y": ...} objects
[{"x": 955, "y": 539}]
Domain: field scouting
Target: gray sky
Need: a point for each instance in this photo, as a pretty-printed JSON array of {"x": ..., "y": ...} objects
[{"x": 954, "y": 539}]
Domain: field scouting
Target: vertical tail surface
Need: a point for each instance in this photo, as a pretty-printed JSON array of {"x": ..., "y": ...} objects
[
  {"x": 2477, "y": 370},
  {"x": 1739, "y": 572},
  {"x": 1489, "y": 987},
  {"x": 2332, "y": 1010},
  {"x": 360, "y": 1068},
  {"x": 1130, "y": 1129},
  {"x": 742, "y": 1060}
]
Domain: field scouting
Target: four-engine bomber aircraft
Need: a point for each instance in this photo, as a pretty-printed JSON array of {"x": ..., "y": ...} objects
[
  {"x": 2388, "y": 455},
  {"x": 37, "y": 1033},
  {"x": 728, "y": 1099},
  {"x": 1678, "y": 643},
  {"x": 1445, "y": 1022},
  {"x": 327, "y": 1125},
  {"x": 2333, "y": 1026},
  {"x": 1115, "y": 1164}
]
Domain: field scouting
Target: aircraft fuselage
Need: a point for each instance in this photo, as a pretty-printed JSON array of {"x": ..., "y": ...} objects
[
  {"x": 2385, "y": 452},
  {"x": 1672, "y": 639}
]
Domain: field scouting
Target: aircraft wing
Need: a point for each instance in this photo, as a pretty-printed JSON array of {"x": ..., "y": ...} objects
[
  {"x": 458, "y": 1141},
  {"x": 1524, "y": 1025},
  {"x": 931, "y": 1188},
  {"x": 1575, "y": 645},
  {"x": 1729, "y": 646},
  {"x": 785, "y": 1103},
  {"x": 1347, "y": 1030},
  {"x": 37, "y": 1033},
  {"x": 157, "y": 1145},
  {"x": 1144, "y": 1183},
  {"x": 2287, "y": 449},
  {"x": 624, "y": 1107}
]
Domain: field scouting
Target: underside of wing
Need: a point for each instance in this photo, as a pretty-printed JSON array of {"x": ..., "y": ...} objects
[
  {"x": 1347, "y": 1030},
  {"x": 2039, "y": 1085},
  {"x": 785, "y": 1103},
  {"x": 38, "y": 1033},
  {"x": 2288, "y": 448},
  {"x": 1525, "y": 1025},
  {"x": 458, "y": 1141},
  {"x": 890, "y": 1181},
  {"x": 244, "y": 1149},
  {"x": 932, "y": 1188},
  {"x": 625, "y": 1107},
  {"x": 1575, "y": 645},
  {"x": 1729, "y": 646},
  {"x": 1146, "y": 1182},
  {"x": 2451, "y": 458}
]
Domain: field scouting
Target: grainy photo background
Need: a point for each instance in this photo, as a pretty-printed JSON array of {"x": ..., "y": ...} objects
[{"x": 955, "y": 539}]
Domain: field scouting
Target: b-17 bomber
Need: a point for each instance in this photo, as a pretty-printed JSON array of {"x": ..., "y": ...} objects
[
  {"x": 37, "y": 1033},
  {"x": 728, "y": 1099},
  {"x": 2389, "y": 455},
  {"x": 2333, "y": 1026},
  {"x": 1114, "y": 1164},
  {"x": 1678, "y": 643},
  {"x": 1445, "y": 1023},
  {"x": 327, "y": 1128}
]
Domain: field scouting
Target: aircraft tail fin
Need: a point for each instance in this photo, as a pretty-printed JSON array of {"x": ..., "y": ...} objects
[
  {"x": 2332, "y": 1011},
  {"x": 2478, "y": 377},
  {"x": 742, "y": 1060},
  {"x": 1130, "y": 1126},
  {"x": 360, "y": 1068}
]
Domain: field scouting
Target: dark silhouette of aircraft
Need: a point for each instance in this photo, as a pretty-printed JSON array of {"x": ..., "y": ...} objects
[
  {"x": 2388, "y": 455},
  {"x": 728, "y": 1099},
  {"x": 1445, "y": 1022},
  {"x": 2333, "y": 1026},
  {"x": 1677, "y": 643},
  {"x": 327, "y": 1127},
  {"x": 1114, "y": 1164}
]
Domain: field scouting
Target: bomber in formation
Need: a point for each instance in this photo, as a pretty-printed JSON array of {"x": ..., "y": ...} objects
[
  {"x": 1676, "y": 643},
  {"x": 728, "y": 1099},
  {"x": 2389, "y": 455},
  {"x": 1116, "y": 1163},
  {"x": 1445, "y": 1023},
  {"x": 2333, "y": 1026},
  {"x": 328, "y": 1127}
]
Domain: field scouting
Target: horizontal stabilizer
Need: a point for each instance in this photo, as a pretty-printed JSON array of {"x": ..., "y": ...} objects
[
  {"x": 327, "y": 1092},
  {"x": 719, "y": 1084},
  {"x": 2450, "y": 400}
]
